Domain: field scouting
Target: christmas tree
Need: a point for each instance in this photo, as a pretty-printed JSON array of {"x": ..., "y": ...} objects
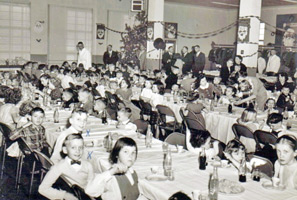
[{"x": 134, "y": 37}]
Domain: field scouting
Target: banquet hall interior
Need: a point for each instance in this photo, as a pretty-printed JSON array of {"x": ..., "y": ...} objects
[{"x": 148, "y": 99}]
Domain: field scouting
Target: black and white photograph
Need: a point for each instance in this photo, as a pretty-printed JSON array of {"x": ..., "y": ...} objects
[{"x": 148, "y": 100}]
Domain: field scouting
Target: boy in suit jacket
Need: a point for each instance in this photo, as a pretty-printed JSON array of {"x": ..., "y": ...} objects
[{"x": 199, "y": 61}]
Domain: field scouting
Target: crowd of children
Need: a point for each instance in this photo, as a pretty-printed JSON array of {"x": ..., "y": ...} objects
[{"x": 107, "y": 92}]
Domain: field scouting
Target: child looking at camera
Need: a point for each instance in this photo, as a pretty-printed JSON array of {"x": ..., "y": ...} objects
[
  {"x": 120, "y": 181},
  {"x": 72, "y": 167},
  {"x": 286, "y": 166}
]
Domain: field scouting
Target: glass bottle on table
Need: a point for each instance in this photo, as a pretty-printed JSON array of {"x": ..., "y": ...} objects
[
  {"x": 148, "y": 137},
  {"x": 109, "y": 142},
  {"x": 56, "y": 116},
  {"x": 211, "y": 105},
  {"x": 213, "y": 184},
  {"x": 242, "y": 171},
  {"x": 104, "y": 117},
  {"x": 215, "y": 103},
  {"x": 285, "y": 113},
  {"x": 202, "y": 159},
  {"x": 167, "y": 164},
  {"x": 230, "y": 108}
]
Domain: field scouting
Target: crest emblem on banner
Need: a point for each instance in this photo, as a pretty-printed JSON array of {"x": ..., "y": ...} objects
[{"x": 243, "y": 33}]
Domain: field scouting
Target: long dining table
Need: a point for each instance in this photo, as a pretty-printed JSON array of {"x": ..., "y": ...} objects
[{"x": 187, "y": 176}]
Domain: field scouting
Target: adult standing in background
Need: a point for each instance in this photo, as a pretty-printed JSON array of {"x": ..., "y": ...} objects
[
  {"x": 187, "y": 58},
  {"x": 261, "y": 63},
  {"x": 168, "y": 59},
  {"x": 142, "y": 57},
  {"x": 84, "y": 56},
  {"x": 110, "y": 56},
  {"x": 273, "y": 64},
  {"x": 199, "y": 61}
]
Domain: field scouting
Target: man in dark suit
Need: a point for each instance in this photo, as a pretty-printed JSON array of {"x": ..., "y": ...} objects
[
  {"x": 187, "y": 59},
  {"x": 168, "y": 60},
  {"x": 110, "y": 56},
  {"x": 199, "y": 61}
]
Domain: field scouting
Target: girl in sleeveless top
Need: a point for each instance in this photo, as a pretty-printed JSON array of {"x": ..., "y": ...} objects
[
  {"x": 120, "y": 181},
  {"x": 286, "y": 166}
]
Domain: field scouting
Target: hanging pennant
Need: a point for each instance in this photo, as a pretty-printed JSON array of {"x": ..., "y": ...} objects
[
  {"x": 100, "y": 31},
  {"x": 243, "y": 34}
]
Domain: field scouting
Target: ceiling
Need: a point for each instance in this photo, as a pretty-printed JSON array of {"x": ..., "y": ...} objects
[{"x": 227, "y": 4}]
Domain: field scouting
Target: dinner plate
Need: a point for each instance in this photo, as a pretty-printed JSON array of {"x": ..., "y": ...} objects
[
  {"x": 268, "y": 185},
  {"x": 156, "y": 177},
  {"x": 230, "y": 187}
]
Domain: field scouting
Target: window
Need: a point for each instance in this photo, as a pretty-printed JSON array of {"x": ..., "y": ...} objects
[
  {"x": 14, "y": 31},
  {"x": 262, "y": 34},
  {"x": 79, "y": 28}
]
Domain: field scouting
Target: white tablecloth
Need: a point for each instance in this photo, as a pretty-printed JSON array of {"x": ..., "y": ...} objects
[{"x": 187, "y": 175}]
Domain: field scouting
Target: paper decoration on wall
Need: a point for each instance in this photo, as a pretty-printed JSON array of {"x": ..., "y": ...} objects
[
  {"x": 38, "y": 40},
  {"x": 150, "y": 31},
  {"x": 100, "y": 31},
  {"x": 287, "y": 33},
  {"x": 243, "y": 34},
  {"x": 170, "y": 30},
  {"x": 39, "y": 26}
]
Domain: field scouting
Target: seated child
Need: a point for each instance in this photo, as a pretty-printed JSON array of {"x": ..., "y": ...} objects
[
  {"x": 72, "y": 167},
  {"x": 67, "y": 78},
  {"x": 284, "y": 100},
  {"x": 146, "y": 93},
  {"x": 85, "y": 99},
  {"x": 275, "y": 121},
  {"x": 141, "y": 81},
  {"x": 197, "y": 140},
  {"x": 229, "y": 96},
  {"x": 69, "y": 98},
  {"x": 124, "y": 122},
  {"x": 24, "y": 112},
  {"x": 100, "y": 109},
  {"x": 6, "y": 79},
  {"x": 235, "y": 152},
  {"x": 33, "y": 132},
  {"x": 270, "y": 106},
  {"x": 286, "y": 166},
  {"x": 120, "y": 181},
  {"x": 77, "y": 121}
]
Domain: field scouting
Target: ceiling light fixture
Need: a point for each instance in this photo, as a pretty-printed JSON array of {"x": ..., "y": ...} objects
[{"x": 225, "y": 4}]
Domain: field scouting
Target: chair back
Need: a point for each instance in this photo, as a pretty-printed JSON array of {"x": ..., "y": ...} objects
[
  {"x": 176, "y": 139},
  {"x": 45, "y": 162},
  {"x": 80, "y": 193},
  {"x": 194, "y": 124},
  {"x": 24, "y": 147},
  {"x": 264, "y": 137},
  {"x": 6, "y": 131},
  {"x": 242, "y": 130},
  {"x": 165, "y": 110},
  {"x": 267, "y": 168},
  {"x": 141, "y": 125},
  {"x": 146, "y": 107}
]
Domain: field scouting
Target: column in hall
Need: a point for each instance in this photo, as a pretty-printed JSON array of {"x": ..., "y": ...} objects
[
  {"x": 155, "y": 13},
  {"x": 248, "y": 33}
]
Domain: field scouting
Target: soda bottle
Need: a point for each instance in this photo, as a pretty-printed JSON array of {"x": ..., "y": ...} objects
[
  {"x": 148, "y": 137},
  {"x": 202, "y": 160},
  {"x": 167, "y": 163},
  {"x": 213, "y": 185},
  {"x": 56, "y": 116}
]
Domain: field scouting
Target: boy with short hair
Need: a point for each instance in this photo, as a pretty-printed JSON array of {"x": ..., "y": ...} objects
[
  {"x": 124, "y": 122},
  {"x": 275, "y": 121},
  {"x": 69, "y": 97},
  {"x": 72, "y": 167},
  {"x": 33, "y": 132},
  {"x": 101, "y": 109},
  {"x": 77, "y": 121},
  {"x": 284, "y": 100},
  {"x": 85, "y": 99}
]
